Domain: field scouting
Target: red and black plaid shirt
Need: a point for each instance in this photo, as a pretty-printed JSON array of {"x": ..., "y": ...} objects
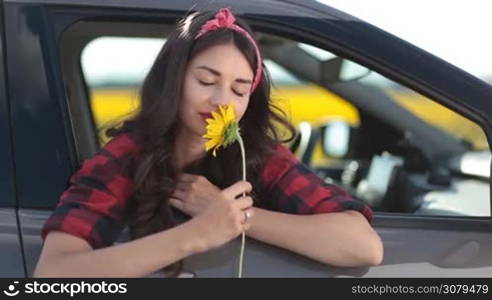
[{"x": 93, "y": 206}]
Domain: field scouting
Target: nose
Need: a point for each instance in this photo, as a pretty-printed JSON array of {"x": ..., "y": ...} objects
[{"x": 221, "y": 96}]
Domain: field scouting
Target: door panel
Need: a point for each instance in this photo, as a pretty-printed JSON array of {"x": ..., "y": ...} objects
[
  {"x": 10, "y": 249},
  {"x": 408, "y": 253},
  {"x": 31, "y": 222}
]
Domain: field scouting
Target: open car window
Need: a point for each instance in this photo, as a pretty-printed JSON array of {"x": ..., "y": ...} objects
[{"x": 388, "y": 145}]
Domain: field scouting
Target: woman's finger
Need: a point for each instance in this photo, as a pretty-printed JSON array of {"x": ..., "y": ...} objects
[
  {"x": 237, "y": 189},
  {"x": 182, "y": 185},
  {"x": 243, "y": 203},
  {"x": 179, "y": 194},
  {"x": 248, "y": 214},
  {"x": 176, "y": 203},
  {"x": 246, "y": 226}
]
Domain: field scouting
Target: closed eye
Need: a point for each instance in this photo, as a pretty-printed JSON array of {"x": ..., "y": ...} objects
[
  {"x": 205, "y": 83},
  {"x": 212, "y": 83},
  {"x": 239, "y": 94}
]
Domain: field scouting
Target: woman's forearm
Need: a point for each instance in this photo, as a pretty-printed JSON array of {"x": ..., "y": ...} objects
[
  {"x": 342, "y": 239},
  {"x": 135, "y": 258}
]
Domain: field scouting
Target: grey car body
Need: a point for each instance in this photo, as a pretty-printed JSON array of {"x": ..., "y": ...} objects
[{"x": 46, "y": 130}]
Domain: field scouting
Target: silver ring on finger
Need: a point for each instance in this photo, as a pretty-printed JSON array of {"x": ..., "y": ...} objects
[{"x": 247, "y": 215}]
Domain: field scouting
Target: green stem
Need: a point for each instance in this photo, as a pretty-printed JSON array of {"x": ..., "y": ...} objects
[
  {"x": 243, "y": 238},
  {"x": 243, "y": 155}
]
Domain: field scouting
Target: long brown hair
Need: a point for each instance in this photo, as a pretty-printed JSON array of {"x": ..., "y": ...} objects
[{"x": 156, "y": 123}]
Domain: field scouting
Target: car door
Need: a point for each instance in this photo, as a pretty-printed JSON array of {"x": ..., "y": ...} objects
[
  {"x": 51, "y": 115},
  {"x": 11, "y": 261},
  {"x": 415, "y": 245}
]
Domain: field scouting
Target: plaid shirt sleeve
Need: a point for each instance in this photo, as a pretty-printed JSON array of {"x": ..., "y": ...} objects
[
  {"x": 93, "y": 206},
  {"x": 293, "y": 188}
]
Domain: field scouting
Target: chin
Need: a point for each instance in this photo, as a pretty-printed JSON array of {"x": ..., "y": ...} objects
[
  {"x": 193, "y": 130},
  {"x": 199, "y": 132}
]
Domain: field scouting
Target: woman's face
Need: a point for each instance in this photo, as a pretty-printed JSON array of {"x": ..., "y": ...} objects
[{"x": 217, "y": 76}]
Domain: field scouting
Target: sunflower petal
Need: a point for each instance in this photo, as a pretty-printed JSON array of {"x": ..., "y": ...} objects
[
  {"x": 217, "y": 117},
  {"x": 223, "y": 112},
  {"x": 230, "y": 114},
  {"x": 210, "y": 144}
]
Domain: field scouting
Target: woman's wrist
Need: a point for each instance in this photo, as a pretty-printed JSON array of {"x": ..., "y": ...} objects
[{"x": 192, "y": 241}]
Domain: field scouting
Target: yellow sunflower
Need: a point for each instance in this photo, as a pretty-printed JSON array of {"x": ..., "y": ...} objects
[{"x": 222, "y": 128}]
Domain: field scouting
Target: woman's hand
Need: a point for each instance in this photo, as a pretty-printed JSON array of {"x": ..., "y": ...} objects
[
  {"x": 193, "y": 194},
  {"x": 225, "y": 217}
]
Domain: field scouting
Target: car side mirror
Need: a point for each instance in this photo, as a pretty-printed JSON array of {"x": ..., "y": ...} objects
[{"x": 337, "y": 138}]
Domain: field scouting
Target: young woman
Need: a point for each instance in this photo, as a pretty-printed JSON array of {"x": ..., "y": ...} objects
[{"x": 156, "y": 166}]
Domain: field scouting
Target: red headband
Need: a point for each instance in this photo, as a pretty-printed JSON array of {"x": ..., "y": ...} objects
[{"x": 225, "y": 19}]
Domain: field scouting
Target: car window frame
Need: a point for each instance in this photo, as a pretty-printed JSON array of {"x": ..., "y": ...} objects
[{"x": 7, "y": 176}]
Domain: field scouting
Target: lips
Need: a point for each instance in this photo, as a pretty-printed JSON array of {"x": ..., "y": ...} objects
[{"x": 206, "y": 115}]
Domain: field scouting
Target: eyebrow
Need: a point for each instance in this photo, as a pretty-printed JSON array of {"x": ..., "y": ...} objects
[{"x": 217, "y": 73}]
